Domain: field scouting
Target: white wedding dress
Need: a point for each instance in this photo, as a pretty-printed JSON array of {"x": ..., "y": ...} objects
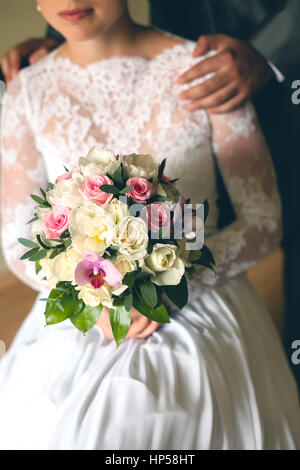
[{"x": 214, "y": 378}]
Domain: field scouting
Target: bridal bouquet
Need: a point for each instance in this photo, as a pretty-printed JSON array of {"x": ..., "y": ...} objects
[{"x": 111, "y": 232}]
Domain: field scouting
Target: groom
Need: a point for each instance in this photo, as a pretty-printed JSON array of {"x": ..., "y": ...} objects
[{"x": 258, "y": 53}]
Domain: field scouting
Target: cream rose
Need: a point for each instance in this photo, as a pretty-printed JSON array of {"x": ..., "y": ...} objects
[
  {"x": 99, "y": 162},
  {"x": 169, "y": 191},
  {"x": 46, "y": 265},
  {"x": 140, "y": 165},
  {"x": 92, "y": 228},
  {"x": 66, "y": 192},
  {"x": 164, "y": 264},
  {"x": 118, "y": 209},
  {"x": 125, "y": 266},
  {"x": 64, "y": 265},
  {"x": 132, "y": 238},
  {"x": 94, "y": 297}
]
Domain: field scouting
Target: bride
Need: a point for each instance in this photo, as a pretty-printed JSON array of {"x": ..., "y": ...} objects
[{"x": 214, "y": 378}]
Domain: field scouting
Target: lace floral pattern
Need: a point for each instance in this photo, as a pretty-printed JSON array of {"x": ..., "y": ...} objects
[{"x": 56, "y": 110}]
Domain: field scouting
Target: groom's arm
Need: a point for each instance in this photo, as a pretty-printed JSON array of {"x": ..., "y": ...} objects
[
  {"x": 53, "y": 34},
  {"x": 279, "y": 41},
  {"x": 242, "y": 69}
]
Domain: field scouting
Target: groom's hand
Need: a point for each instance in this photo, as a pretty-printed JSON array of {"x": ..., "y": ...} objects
[
  {"x": 239, "y": 74},
  {"x": 32, "y": 51}
]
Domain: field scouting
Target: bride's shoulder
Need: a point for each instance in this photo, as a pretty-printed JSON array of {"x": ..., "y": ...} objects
[
  {"x": 174, "y": 54},
  {"x": 33, "y": 77},
  {"x": 169, "y": 49}
]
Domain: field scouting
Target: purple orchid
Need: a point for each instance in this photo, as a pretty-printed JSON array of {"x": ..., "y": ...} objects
[{"x": 96, "y": 270}]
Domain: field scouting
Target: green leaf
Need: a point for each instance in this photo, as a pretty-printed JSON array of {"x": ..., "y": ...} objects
[
  {"x": 37, "y": 267},
  {"x": 206, "y": 209},
  {"x": 162, "y": 168},
  {"x": 158, "y": 314},
  {"x": 68, "y": 242},
  {"x": 206, "y": 258},
  {"x": 32, "y": 220},
  {"x": 118, "y": 175},
  {"x": 50, "y": 186},
  {"x": 39, "y": 200},
  {"x": 87, "y": 318},
  {"x": 66, "y": 234},
  {"x": 126, "y": 190},
  {"x": 59, "y": 310},
  {"x": 178, "y": 295},
  {"x": 28, "y": 243},
  {"x": 29, "y": 253},
  {"x": 130, "y": 278},
  {"x": 54, "y": 253},
  {"x": 43, "y": 194},
  {"x": 128, "y": 302},
  {"x": 109, "y": 188},
  {"x": 39, "y": 255},
  {"x": 120, "y": 320},
  {"x": 170, "y": 182},
  {"x": 148, "y": 292},
  {"x": 142, "y": 276},
  {"x": 42, "y": 243},
  {"x": 158, "y": 198}
]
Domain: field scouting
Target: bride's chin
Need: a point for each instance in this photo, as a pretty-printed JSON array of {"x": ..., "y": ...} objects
[{"x": 79, "y": 33}]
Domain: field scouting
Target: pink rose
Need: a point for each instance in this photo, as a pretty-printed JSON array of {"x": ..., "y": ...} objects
[
  {"x": 68, "y": 175},
  {"x": 142, "y": 189},
  {"x": 56, "y": 222},
  {"x": 157, "y": 215},
  {"x": 90, "y": 190}
]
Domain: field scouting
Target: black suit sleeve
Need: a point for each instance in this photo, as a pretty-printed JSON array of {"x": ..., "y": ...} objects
[
  {"x": 279, "y": 40},
  {"x": 53, "y": 34}
]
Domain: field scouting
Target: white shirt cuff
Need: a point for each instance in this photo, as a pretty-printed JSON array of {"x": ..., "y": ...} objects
[{"x": 279, "y": 76}]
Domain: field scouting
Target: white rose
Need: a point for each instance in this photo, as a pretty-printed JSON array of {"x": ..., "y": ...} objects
[
  {"x": 66, "y": 192},
  {"x": 132, "y": 238},
  {"x": 99, "y": 162},
  {"x": 91, "y": 228},
  {"x": 140, "y": 165},
  {"x": 164, "y": 265},
  {"x": 64, "y": 265},
  {"x": 36, "y": 228},
  {"x": 118, "y": 210},
  {"x": 94, "y": 297}
]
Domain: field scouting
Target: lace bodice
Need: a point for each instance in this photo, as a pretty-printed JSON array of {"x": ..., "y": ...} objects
[{"x": 55, "y": 111}]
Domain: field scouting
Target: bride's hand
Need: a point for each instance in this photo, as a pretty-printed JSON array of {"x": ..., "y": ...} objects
[{"x": 141, "y": 326}]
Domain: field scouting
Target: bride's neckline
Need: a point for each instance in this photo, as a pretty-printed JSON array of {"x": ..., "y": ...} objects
[{"x": 117, "y": 58}]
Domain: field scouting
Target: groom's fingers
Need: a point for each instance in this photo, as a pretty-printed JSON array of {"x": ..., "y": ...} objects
[
  {"x": 209, "y": 65},
  {"x": 32, "y": 49},
  {"x": 46, "y": 46},
  {"x": 10, "y": 64},
  {"x": 229, "y": 105},
  {"x": 215, "y": 99},
  {"x": 207, "y": 88}
]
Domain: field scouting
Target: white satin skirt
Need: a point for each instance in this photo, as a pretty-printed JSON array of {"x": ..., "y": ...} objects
[{"x": 216, "y": 377}]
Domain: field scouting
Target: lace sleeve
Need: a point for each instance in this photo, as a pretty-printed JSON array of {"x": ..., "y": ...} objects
[
  {"x": 23, "y": 173},
  {"x": 246, "y": 166}
]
